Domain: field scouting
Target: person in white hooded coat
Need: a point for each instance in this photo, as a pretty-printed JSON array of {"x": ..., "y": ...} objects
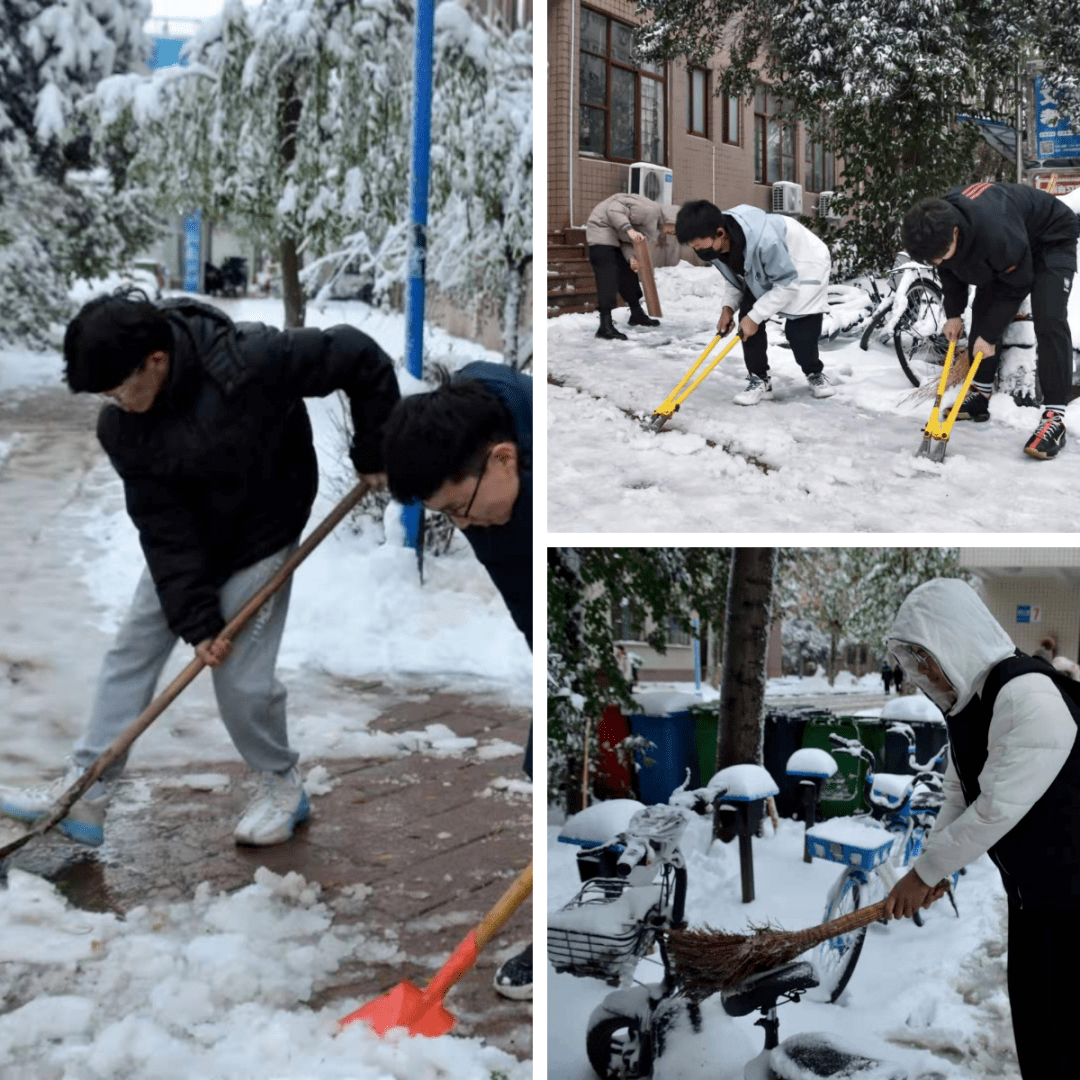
[
  {"x": 771, "y": 266},
  {"x": 1012, "y": 790}
]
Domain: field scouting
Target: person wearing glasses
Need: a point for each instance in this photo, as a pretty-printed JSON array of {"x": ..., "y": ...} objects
[
  {"x": 465, "y": 450},
  {"x": 206, "y": 426},
  {"x": 1012, "y": 790},
  {"x": 1009, "y": 241}
]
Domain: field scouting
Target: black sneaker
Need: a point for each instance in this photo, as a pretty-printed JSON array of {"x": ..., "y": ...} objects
[
  {"x": 1049, "y": 436},
  {"x": 514, "y": 978},
  {"x": 976, "y": 406}
]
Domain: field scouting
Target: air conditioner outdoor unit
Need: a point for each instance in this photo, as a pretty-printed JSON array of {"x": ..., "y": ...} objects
[
  {"x": 786, "y": 198},
  {"x": 652, "y": 181},
  {"x": 824, "y": 206}
]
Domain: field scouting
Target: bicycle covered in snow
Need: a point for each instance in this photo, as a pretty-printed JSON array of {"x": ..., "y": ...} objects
[
  {"x": 874, "y": 846},
  {"x": 634, "y": 891}
]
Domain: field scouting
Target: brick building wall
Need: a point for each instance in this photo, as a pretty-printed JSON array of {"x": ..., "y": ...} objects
[{"x": 702, "y": 167}]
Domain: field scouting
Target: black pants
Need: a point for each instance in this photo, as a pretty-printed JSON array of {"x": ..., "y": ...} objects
[
  {"x": 614, "y": 277},
  {"x": 1054, "y": 271},
  {"x": 1044, "y": 957},
  {"x": 802, "y": 335}
]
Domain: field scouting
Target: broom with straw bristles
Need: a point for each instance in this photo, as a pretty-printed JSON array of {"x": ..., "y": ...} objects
[
  {"x": 957, "y": 375},
  {"x": 706, "y": 961}
]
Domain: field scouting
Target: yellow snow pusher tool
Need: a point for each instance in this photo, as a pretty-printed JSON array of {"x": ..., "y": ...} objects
[
  {"x": 935, "y": 436},
  {"x": 664, "y": 412}
]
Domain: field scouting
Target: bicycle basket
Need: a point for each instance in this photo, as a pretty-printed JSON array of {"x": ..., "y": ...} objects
[
  {"x": 847, "y": 841},
  {"x": 606, "y": 928}
]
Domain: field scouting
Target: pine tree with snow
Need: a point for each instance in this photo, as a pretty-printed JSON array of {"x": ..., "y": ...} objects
[
  {"x": 883, "y": 82},
  {"x": 64, "y": 212}
]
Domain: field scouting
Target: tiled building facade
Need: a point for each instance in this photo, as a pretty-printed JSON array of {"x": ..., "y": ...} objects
[{"x": 605, "y": 112}]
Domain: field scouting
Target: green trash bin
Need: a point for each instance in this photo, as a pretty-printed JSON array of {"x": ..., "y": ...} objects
[
  {"x": 843, "y": 792},
  {"x": 706, "y": 723}
]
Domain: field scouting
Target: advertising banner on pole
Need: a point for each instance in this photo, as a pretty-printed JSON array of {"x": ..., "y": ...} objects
[
  {"x": 192, "y": 250},
  {"x": 1055, "y": 138}
]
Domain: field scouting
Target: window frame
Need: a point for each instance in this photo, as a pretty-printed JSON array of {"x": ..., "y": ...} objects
[
  {"x": 703, "y": 131},
  {"x": 815, "y": 142},
  {"x": 640, "y": 74},
  {"x": 786, "y": 128},
  {"x": 727, "y": 103}
]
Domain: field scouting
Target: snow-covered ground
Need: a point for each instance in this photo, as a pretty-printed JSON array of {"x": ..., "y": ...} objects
[
  {"x": 214, "y": 987},
  {"x": 844, "y": 463},
  {"x": 932, "y": 999}
]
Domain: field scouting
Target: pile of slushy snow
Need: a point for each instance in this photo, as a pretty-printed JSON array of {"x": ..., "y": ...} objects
[{"x": 212, "y": 988}]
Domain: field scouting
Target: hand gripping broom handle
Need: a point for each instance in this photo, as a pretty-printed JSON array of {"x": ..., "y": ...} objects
[{"x": 124, "y": 740}]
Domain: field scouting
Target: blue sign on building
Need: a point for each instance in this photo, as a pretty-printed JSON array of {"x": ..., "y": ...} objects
[
  {"x": 1056, "y": 139},
  {"x": 166, "y": 53}
]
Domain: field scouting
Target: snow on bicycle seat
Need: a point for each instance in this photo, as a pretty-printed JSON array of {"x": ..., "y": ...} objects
[
  {"x": 809, "y": 1055},
  {"x": 762, "y": 990},
  {"x": 850, "y": 841},
  {"x": 891, "y": 789}
]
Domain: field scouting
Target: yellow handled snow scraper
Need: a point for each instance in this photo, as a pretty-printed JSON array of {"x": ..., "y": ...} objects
[
  {"x": 666, "y": 410},
  {"x": 935, "y": 436}
]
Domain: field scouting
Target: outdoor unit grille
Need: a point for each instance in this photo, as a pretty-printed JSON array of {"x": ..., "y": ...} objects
[
  {"x": 786, "y": 198},
  {"x": 653, "y": 181},
  {"x": 824, "y": 206}
]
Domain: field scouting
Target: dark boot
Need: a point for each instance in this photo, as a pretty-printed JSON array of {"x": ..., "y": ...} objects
[
  {"x": 607, "y": 328},
  {"x": 639, "y": 318}
]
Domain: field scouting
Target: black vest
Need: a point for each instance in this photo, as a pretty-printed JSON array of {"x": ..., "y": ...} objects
[{"x": 1039, "y": 858}]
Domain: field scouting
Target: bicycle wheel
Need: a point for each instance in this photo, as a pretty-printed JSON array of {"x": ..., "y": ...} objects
[
  {"x": 920, "y": 346},
  {"x": 618, "y": 1049},
  {"x": 837, "y": 957}
]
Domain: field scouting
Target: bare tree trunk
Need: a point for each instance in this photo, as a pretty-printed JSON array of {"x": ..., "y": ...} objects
[
  {"x": 746, "y": 646},
  {"x": 291, "y": 291}
]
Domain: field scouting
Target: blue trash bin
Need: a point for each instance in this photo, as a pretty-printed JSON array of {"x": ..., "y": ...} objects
[{"x": 676, "y": 751}]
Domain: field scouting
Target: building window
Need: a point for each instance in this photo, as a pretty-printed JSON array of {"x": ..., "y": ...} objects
[
  {"x": 697, "y": 117},
  {"x": 627, "y": 621},
  {"x": 676, "y": 635},
  {"x": 732, "y": 110},
  {"x": 774, "y": 139},
  {"x": 820, "y": 164},
  {"x": 621, "y": 108}
]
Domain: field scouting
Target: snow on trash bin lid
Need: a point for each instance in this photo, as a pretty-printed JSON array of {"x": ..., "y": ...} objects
[
  {"x": 599, "y": 823},
  {"x": 811, "y": 761},
  {"x": 912, "y": 707},
  {"x": 743, "y": 783},
  {"x": 665, "y": 702}
]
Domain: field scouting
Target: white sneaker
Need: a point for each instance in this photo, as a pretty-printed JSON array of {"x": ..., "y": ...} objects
[
  {"x": 756, "y": 389},
  {"x": 85, "y": 822},
  {"x": 280, "y": 804},
  {"x": 820, "y": 386}
]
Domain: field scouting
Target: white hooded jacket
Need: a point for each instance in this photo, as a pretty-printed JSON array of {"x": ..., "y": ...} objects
[{"x": 1031, "y": 731}]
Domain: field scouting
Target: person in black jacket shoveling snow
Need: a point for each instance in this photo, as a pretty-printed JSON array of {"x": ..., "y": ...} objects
[
  {"x": 465, "y": 450},
  {"x": 771, "y": 265},
  {"x": 1009, "y": 241},
  {"x": 1012, "y": 789},
  {"x": 208, "y": 431}
]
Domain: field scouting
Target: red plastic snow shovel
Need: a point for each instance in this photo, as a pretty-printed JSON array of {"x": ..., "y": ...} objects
[
  {"x": 421, "y": 1011},
  {"x": 127, "y": 737}
]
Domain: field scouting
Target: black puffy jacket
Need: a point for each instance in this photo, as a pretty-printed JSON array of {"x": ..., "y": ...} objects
[
  {"x": 1004, "y": 229},
  {"x": 221, "y": 471}
]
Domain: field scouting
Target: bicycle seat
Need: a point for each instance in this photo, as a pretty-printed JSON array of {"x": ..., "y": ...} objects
[
  {"x": 891, "y": 789},
  {"x": 761, "y": 991}
]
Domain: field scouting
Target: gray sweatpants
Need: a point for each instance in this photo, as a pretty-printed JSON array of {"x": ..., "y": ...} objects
[{"x": 249, "y": 696}]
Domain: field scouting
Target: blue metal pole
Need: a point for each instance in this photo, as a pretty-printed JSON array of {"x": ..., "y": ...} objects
[{"x": 418, "y": 200}]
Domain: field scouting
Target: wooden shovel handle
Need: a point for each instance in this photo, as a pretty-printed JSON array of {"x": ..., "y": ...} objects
[
  {"x": 648, "y": 282},
  {"x": 127, "y": 737},
  {"x": 504, "y": 907}
]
